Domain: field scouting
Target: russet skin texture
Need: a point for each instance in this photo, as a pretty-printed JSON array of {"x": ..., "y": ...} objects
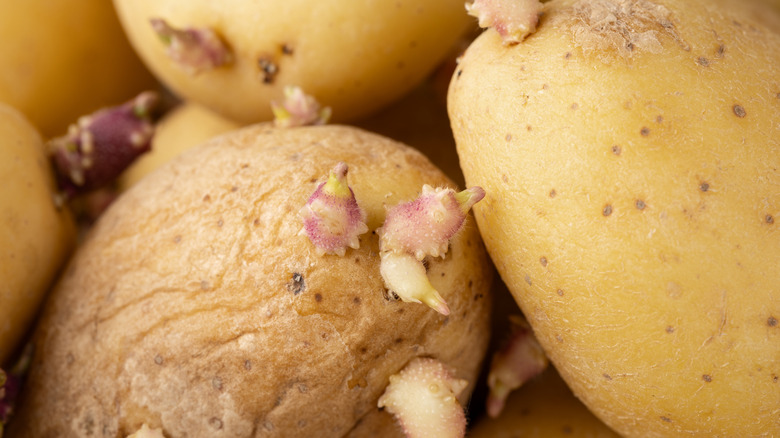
[
  {"x": 196, "y": 307},
  {"x": 632, "y": 205}
]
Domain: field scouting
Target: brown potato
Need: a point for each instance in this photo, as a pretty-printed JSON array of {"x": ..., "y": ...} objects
[{"x": 196, "y": 306}]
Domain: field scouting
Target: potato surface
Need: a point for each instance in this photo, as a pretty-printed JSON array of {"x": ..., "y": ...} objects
[
  {"x": 542, "y": 408},
  {"x": 35, "y": 236},
  {"x": 630, "y": 151},
  {"x": 184, "y": 127},
  {"x": 65, "y": 58},
  {"x": 355, "y": 57},
  {"x": 195, "y": 306}
]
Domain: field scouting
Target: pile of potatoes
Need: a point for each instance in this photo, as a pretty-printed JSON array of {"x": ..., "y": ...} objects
[{"x": 629, "y": 156}]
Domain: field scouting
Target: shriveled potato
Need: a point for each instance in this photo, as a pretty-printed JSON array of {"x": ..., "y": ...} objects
[
  {"x": 65, "y": 58},
  {"x": 543, "y": 407},
  {"x": 630, "y": 152},
  {"x": 35, "y": 235},
  {"x": 355, "y": 57},
  {"x": 184, "y": 127},
  {"x": 196, "y": 307}
]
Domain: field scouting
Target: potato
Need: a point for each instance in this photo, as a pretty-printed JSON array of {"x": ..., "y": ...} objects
[
  {"x": 35, "y": 235},
  {"x": 184, "y": 127},
  {"x": 355, "y": 57},
  {"x": 63, "y": 59},
  {"x": 543, "y": 407},
  {"x": 195, "y": 305},
  {"x": 632, "y": 163}
]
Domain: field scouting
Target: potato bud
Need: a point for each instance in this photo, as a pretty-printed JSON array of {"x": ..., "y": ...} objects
[{"x": 193, "y": 49}]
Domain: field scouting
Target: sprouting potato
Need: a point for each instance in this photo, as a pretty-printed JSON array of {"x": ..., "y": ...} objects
[
  {"x": 199, "y": 306},
  {"x": 354, "y": 57},
  {"x": 65, "y": 58},
  {"x": 36, "y": 236},
  {"x": 630, "y": 152}
]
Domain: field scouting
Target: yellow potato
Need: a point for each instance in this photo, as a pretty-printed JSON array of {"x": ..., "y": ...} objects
[
  {"x": 355, "y": 57},
  {"x": 35, "y": 235},
  {"x": 545, "y": 408},
  {"x": 632, "y": 169},
  {"x": 184, "y": 127},
  {"x": 65, "y": 58},
  {"x": 195, "y": 306}
]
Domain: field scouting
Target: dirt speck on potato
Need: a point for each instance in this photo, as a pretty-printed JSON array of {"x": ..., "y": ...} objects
[
  {"x": 771, "y": 321},
  {"x": 739, "y": 111},
  {"x": 297, "y": 284}
]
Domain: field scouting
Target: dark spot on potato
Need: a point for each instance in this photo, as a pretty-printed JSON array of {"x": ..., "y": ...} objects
[
  {"x": 205, "y": 285},
  {"x": 607, "y": 210},
  {"x": 553, "y": 193},
  {"x": 771, "y": 321},
  {"x": 471, "y": 283},
  {"x": 704, "y": 187},
  {"x": 665, "y": 419},
  {"x": 256, "y": 222},
  {"x": 630, "y": 47},
  {"x": 356, "y": 300},
  {"x": 574, "y": 106},
  {"x": 215, "y": 422},
  {"x": 659, "y": 119},
  {"x": 427, "y": 264},
  {"x": 248, "y": 365},
  {"x": 640, "y": 204},
  {"x": 607, "y": 376},
  {"x": 739, "y": 111},
  {"x": 158, "y": 359},
  {"x": 268, "y": 69},
  {"x": 396, "y": 298},
  {"x": 529, "y": 128},
  {"x": 543, "y": 261},
  {"x": 669, "y": 329},
  {"x": 559, "y": 292},
  {"x": 479, "y": 296},
  {"x": 318, "y": 297},
  {"x": 363, "y": 350},
  {"x": 774, "y": 378},
  {"x": 207, "y": 198},
  {"x": 769, "y": 219},
  {"x": 286, "y": 49},
  {"x": 567, "y": 55},
  {"x": 297, "y": 284},
  {"x": 702, "y": 61},
  {"x": 706, "y": 377},
  {"x": 645, "y": 131},
  {"x": 617, "y": 150},
  {"x": 721, "y": 50},
  {"x": 177, "y": 238},
  {"x": 460, "y": 72}
]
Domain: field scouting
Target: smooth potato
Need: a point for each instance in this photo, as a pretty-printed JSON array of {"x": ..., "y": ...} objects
[
  {"x": 545, "y": 408},
  {"x": 630, "y": 151},
  {"x": 184, "y": 127},
  {"x": 35, "y": 235},
  {"x": 195, "y": 306},
  {"x": 354, "y": 57},
  {"x": 64, "y": 59}
]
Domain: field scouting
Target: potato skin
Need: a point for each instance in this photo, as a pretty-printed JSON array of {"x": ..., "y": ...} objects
[
  {"x": 355, "y": 57},
  {"x": 36, "y": 237},
  {"x": 632, "y": 210},
  {"x": 65, "y": 58},
  {"x": 194, "y": 304},
  {"x": 543, "y": 407},
  {"x": 184, "y": 127}
]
